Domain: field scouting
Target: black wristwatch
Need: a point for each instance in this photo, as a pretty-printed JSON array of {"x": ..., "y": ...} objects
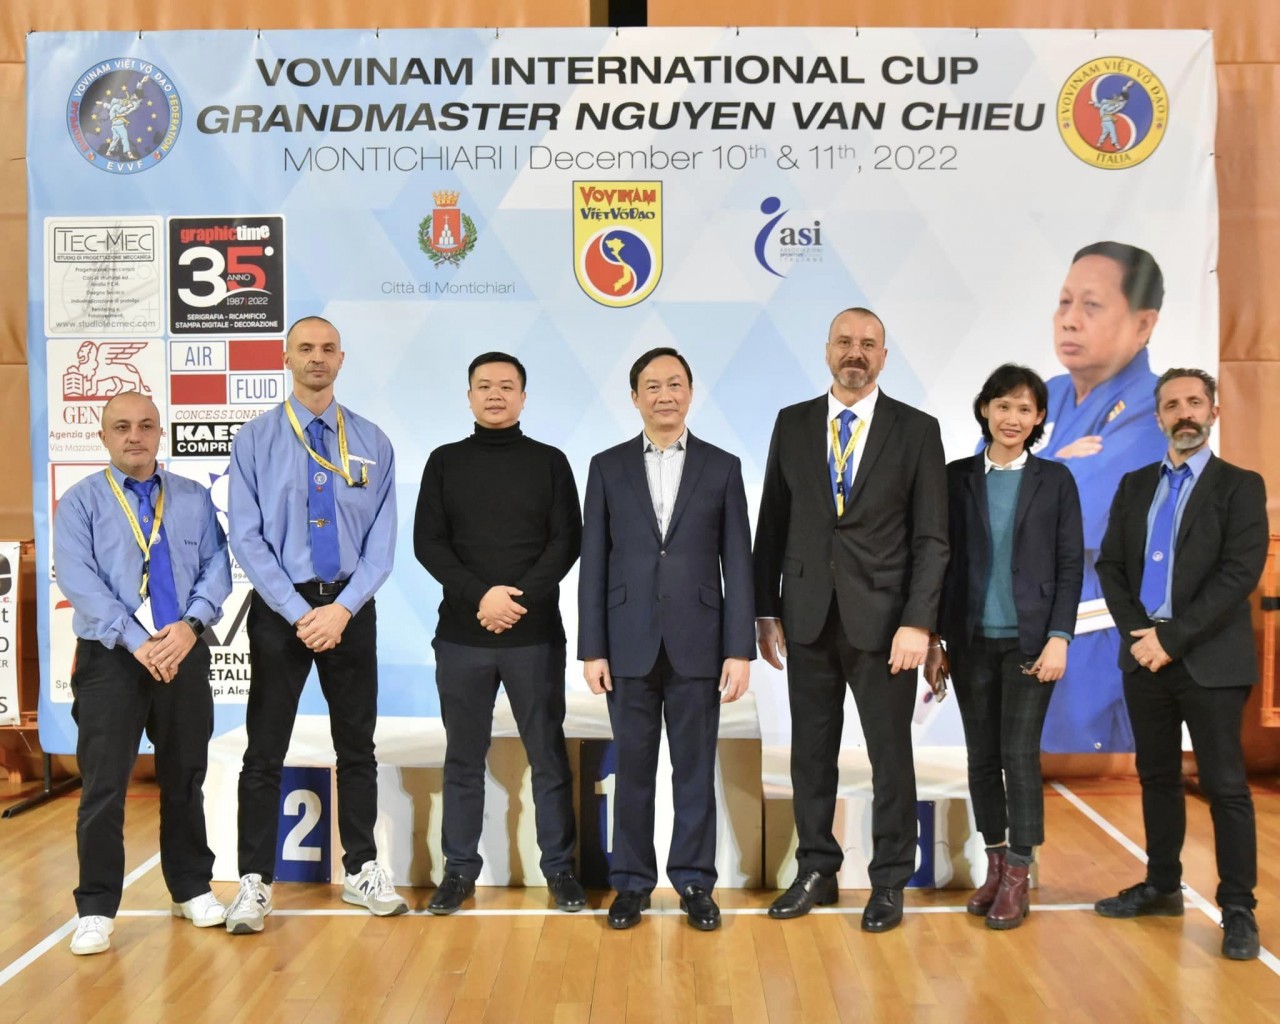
[{"x": 197, "y": 627}]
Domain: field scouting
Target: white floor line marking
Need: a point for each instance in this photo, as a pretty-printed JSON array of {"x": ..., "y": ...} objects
[
  {"x": 1193, "y": 897},
  {"x": 51, "y": 940},
  {"x": 602, "y": 911}
]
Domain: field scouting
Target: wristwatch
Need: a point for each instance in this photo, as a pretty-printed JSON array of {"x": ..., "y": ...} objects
[{"x": 197, "y": 627}]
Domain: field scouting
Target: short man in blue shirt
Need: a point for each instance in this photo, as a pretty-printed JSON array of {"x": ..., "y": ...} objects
[
  {"x": 140, "y": 555},
  {"x": 312, "y": 516},
  {"x": 1185, "y": 546}
]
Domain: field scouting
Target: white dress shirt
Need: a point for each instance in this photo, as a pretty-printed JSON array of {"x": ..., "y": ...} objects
[{"x": 664, "y": 467}]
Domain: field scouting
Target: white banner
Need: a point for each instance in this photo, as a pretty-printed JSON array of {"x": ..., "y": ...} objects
[{"x": 577, "y": 196}]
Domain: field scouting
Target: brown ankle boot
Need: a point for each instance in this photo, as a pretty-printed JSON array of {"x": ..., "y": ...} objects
[
  {"x": 1013, "y": 901},
  {"x": 980, "y": 902}
]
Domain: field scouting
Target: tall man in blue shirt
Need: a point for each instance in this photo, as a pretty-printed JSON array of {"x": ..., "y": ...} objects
[
  {"x": 312, "y": 515},
  {"x": 142, "y": 559},
  {"x": 1184, "y": 548}
]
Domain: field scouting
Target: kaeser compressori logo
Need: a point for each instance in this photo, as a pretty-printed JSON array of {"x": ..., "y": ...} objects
[
  {"x": 124, "y": 115},
  {"x": 1112, "y": 112},
  {"x": 617, "y": 240}
]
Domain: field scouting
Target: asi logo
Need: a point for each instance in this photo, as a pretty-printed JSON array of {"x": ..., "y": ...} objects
[
  {"x": 124, "y": 115},
  {"x": 791, "y": 244},
  {"x": 1112, "y": 112},
  {"x": 448, "y": 235},
  {"x": 617, "y": 240}
]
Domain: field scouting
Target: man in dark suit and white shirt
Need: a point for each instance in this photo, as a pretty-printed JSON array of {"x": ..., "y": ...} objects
[
  {"x": 851, "y": 548},
  {"x": 665, "y": 521},
  {"x": 1185, "y": 546}
]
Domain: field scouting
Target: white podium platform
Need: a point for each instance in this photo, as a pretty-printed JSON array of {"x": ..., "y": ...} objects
[
  {"x": 410, "y": 788},
  {"x": 957, "y": 852}
]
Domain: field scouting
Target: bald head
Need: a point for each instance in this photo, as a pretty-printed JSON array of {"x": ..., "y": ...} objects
[{"x": 131, "y": 433}]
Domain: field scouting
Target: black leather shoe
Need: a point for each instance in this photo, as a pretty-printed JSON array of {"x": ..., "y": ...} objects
[
  {"x": 1239, "y": 934},
  {"x": 450, "y": 893},
  {"x": 810, "y": 889},
  {"x": 625, "y": 912},
  {"x": 884, "y": 909},
  {"x": 700, "y": 909},
  {"x": 567, "y": 891},
  {"x": 1141, "y": 900}
]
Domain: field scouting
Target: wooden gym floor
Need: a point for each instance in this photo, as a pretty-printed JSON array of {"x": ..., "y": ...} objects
[{"x": 512, "y": 960}]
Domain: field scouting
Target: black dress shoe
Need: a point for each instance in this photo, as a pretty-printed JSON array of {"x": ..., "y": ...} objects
[
  {"x": 450, "y": 893},
  {"x": 810, "y": 889},
  {"x": 884, "y": 909},
  {"x": 625, "y": 912},
  {"x": 1141, "y": 900},
  {"x": 1239, "y": 934},
  {"x": 700, "y": 909},
  {"x": 567, "y": 891}
]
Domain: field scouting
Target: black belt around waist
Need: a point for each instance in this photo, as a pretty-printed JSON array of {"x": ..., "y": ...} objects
[{"x": 317, "y": 589}]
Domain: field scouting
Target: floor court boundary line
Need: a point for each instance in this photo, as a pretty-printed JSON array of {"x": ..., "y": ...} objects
[
  {"x": 603, "y": 911},
  {"x": 60, "y": 933},
  {"x": 1194, "y": 898}
]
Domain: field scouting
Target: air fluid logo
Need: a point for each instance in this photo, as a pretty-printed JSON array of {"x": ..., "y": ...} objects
[{"x": 785, "y": 241}]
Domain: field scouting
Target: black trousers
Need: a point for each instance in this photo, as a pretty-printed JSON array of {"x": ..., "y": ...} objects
[
  {"x": 1158, "y": 705},
  {"x": 533, "y": 676},
  {"x": 691, "y": 708},
  {"x": 115, "y": 699},
  {"x": 1003, "y": 713},
  {"x": 280, "y": 663},
  {"x": 817, "y": 674}
]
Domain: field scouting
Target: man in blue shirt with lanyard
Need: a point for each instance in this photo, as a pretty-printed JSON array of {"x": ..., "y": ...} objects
[
  {"x": 316, "y": 538},
  {"x": 140, "y": 555}
]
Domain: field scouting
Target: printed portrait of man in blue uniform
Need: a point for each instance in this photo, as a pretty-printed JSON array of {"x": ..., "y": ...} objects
[{"x": 1100, "y": 424}]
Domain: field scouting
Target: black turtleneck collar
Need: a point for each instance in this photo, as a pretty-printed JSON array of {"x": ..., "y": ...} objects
[{"x": 499, "y": 435}]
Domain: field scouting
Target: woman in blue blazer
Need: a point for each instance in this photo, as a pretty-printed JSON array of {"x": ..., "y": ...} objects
[{"x": 1007, "y": 617}]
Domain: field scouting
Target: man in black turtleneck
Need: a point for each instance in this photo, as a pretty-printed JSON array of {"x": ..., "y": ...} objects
[{"x": 498, "y": 525}]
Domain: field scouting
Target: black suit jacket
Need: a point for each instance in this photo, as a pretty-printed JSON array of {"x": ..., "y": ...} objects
[
  {"x": 884, "y": 558},
  {"x": 1219, "y": 555},
  {"x": 638, "y": 591},
  {"x": 1048, "y": 552}
]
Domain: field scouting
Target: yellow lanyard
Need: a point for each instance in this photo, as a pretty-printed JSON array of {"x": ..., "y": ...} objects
[
  {"x": 842, "y": 457},
  {"x": 344, "y": 470},
  {"x": 143, "y": 542}
]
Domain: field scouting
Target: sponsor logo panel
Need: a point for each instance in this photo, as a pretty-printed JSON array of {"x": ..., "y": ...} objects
[
  {"x": 226, "y": 275},
  {"x": 83, "y": 376},
  {"x": 103, "y": 276}
]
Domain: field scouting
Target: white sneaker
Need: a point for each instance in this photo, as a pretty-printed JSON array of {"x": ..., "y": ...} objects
[
  {"x": 92, "y": 935},
  {"x": 204, "y": 911},
  {"x": 373, "y": 890},
  {"x": 251, "y": 905}
]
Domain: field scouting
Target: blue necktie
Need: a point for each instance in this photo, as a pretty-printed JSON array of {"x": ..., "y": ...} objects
[
  {"x": 846, "y": 429},
  {"x": 1155, "y": 567},
  {"x": 322, "y": 509},
  {"x": 160, "y": 586}
]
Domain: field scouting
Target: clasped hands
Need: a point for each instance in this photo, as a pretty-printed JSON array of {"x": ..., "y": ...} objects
[
  {"x": 163, "y": 652},
  {"x": 1147, "y": 650},
  {"x": 499, "y": 610},
  {"x": 321, "y": 628}
]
